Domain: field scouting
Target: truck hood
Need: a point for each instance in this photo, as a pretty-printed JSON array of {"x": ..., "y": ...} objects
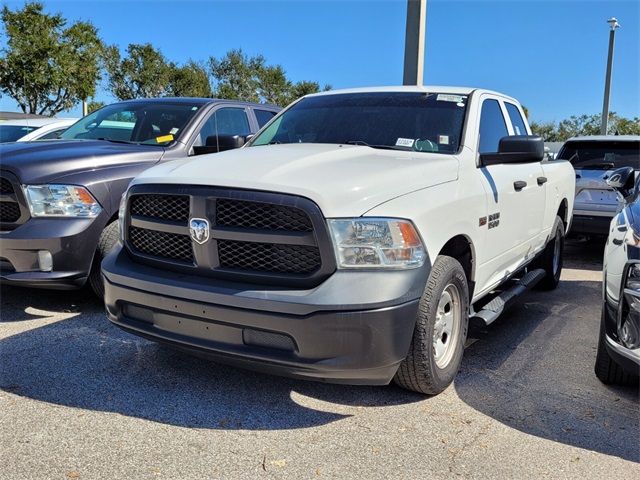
[
  {"x": 41, "y": 162},
  {"x": 343, "y": 180}
]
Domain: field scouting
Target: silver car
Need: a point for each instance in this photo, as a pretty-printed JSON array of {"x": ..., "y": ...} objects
[{"x": 594, "y": 158}]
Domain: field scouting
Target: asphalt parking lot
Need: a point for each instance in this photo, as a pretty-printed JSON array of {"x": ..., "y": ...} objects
[{"x": 81, "y": 399}]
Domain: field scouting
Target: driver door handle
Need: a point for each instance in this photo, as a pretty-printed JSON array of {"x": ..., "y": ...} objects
[
  {"x": 519, "y": 185},
  {"x": 542, "y": 180}
]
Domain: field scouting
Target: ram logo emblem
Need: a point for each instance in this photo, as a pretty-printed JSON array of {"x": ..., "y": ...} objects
[{"x": 199, "y": 229}]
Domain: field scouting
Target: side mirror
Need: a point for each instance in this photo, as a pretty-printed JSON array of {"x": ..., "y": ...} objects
[
  {"x": 220, "y": 143},
  {"x": 516, "y": 149},
  {"x": 622, "y": 181}
]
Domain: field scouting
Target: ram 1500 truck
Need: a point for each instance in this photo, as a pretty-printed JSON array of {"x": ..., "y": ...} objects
[
  {"x": 351, "y": 240},
  {"x": 59, "y": 199}
]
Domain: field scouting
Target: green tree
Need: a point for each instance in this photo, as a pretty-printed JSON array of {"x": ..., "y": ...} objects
[
  {"x": 189, "y": 80},
  {"x": 143, "y": 73},
  {"x": 46, "y": 66},
  {"x": 547, "y": 130},
  {"x": 273, "y": 85},
  {"x": 236, "y": 75},
  {"x": 93, "y": 106}
]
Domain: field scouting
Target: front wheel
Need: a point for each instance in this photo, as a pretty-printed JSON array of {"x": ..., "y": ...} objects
[
  {"x": 440, "y": 333},
  {"x": 551, "y": 259},
  {"x": 108, "y": 240}
]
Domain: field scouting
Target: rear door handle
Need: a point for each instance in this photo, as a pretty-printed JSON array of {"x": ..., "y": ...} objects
[
  {"x": 617, "y": 241},
  {"x": 542, "y": 180},
  {"x": 519, "y": 185}
]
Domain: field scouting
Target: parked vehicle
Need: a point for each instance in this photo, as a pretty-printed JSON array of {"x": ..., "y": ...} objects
[
  {"x": 33, "y": 129},
  {"x": 594, "y": 158},
  {"x": 618, "y": 357},
  {"x": 59, "y": 199},
  {"x": 349, "y": 241},
  {"x": 50, "y": 131}
]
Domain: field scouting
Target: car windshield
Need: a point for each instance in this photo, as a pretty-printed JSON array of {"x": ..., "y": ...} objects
[
  {"x": 599, "y": 155},
  {"x": 414, "y": 121},
  {"x": 12, "y": 133},
  {"x": 147, "y": 123}
]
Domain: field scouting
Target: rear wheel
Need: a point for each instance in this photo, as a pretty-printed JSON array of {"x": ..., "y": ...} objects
[
  {"x": 551, "y": 259},
  {"x": 108, "y": 240},
  {"x": 437, "y": 346}
]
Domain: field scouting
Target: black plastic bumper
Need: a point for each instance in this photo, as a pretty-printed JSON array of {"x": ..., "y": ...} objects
[
  {"x": 353, "y": 328},
  {"x": 590, "y": 225},
  {"x": 71, "y": 243}
]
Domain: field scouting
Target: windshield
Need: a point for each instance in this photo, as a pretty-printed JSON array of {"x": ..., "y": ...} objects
[
  {"x": 416, "y": 121},
  {"x": 12, "y": 133},
  {"x": 148, "y": 123},
  {"x": 601, "y": 155}
]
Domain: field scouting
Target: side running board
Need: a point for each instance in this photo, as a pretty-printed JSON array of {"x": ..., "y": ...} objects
[{"x": 492, "y": 310}]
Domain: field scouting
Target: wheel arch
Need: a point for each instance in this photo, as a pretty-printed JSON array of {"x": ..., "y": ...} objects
[
  {"x": 462, "y": 249},
  {"x": 563, "y": 212}
]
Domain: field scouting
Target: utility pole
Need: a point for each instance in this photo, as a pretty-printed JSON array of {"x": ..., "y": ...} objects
[
  {"x": 414, "y": 42},
  {"x": 613, "y": 23}
]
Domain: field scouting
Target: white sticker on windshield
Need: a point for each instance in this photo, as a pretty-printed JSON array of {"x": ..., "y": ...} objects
[
  {"x": 405, "y": 142},
  {"x": 174, "y": 130},
  {"x": 445, "y": 97},
  {"x": 443, "y": 139},
  {"x": 517, "y": 129}
]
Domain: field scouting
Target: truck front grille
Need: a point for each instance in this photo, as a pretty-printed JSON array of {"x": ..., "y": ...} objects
[
  {"x": 237, "y": 213},
  {"x": 257, "y": 237},
  {"x": 13, "y": 207},
  {"x": 162, "y": 244},
  {"x": 268, "y": 257}
]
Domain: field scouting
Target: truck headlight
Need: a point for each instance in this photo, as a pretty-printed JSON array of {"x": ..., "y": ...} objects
[
  {"x": 376, "y": 243},
  {"x": 61, "y": 201}
]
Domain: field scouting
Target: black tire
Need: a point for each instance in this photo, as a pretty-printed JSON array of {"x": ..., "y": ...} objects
[
  {"x": 418, "y": 371},
  {"x": 547, "y": 260},
  {"x": 108, "y": 240},
  {"x": 606, "y": 368}
]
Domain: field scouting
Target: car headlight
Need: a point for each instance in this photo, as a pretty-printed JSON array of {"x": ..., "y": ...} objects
[
  {"x": 61, "y": 201},
  {"x": 376, "y": 243}
]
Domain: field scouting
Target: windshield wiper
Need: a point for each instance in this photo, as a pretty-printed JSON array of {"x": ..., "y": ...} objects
[
  {"x": 597, "y": 165},
  {"x": 385, "y": 147},
  {"x": 118, "y": 141}
]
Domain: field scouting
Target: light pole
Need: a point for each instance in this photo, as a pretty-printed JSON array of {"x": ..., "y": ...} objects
[
  {"x": 414, "y": 42},
  {"x": 613, "y": 23}
]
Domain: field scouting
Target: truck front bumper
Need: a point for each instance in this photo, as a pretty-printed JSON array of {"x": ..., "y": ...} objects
[
  {"x": 49, "y": 252},
  {"x": 353, "y": 328}
]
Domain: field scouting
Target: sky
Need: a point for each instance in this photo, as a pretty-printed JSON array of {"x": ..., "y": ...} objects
[{"x": 550, "y": 55}]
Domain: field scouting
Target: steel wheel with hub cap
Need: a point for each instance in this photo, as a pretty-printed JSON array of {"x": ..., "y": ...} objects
[{"x": 440, "y": 332}]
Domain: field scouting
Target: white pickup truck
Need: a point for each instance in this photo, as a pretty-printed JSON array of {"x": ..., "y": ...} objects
[{"x": 351, "y": 240}]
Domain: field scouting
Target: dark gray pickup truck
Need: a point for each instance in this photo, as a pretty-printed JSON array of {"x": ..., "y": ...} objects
[{"x": 59, "y": 199}]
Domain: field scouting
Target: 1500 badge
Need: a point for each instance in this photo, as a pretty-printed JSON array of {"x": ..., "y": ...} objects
[{"x": 493, "y": 220}]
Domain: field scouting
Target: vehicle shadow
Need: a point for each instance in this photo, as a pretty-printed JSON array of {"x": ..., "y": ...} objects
[
  {"x": 533, "y": 370},
  {"x": 85, "y": 362}
]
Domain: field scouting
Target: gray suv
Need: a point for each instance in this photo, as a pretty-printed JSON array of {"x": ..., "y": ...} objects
[
  {"x": 594, "y": 159},
  {"x": 59, "y": 200}
]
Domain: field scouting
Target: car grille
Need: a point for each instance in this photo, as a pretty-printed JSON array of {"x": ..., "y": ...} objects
[
  {"x": 235, "y": 213},
  {"x": 9, "y": 212},
  {"x": 268, "y": 257},
  {"x": 162, "y": 244},
  {"x": 10, "y": 198},
  {"x": 164, "y": 207},
  {"x": 253, "y": 236}
]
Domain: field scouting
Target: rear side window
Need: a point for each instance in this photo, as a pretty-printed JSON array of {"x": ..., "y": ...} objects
[
  {"x": 517, "y": 122},
  {"x": 492, "y": 126},
  {"x": 225, "y": 121},
  {"x": 263, "y": 117},
  {"x": 601, "y": 155}
]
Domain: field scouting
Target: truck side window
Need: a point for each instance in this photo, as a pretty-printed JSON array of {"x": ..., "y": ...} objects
[
  {"x": 263, "y": 116},
  {"x": 492, "y": 126},
  {"x": 225, "y": 121},
  {"x": 517, "y": 122}
]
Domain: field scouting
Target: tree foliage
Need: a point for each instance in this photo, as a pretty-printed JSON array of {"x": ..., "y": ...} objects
[
  {"x": 48, "y": 67},
  {"x": 238, "y": 76},
  {"x": 585, "y": 125},
  {"x": 189, "y": 80}
]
